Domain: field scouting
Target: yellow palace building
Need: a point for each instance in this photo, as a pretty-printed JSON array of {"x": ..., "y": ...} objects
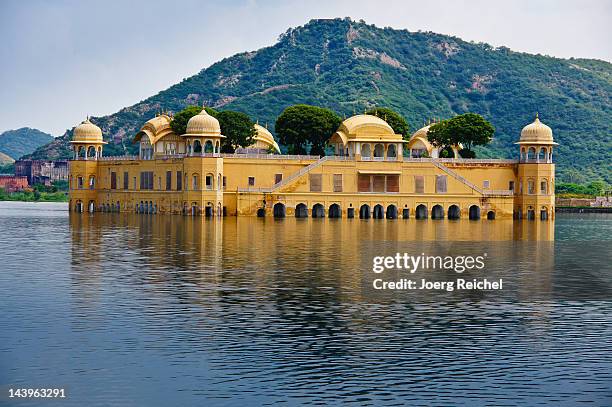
[{"x": 369, "y": 175}]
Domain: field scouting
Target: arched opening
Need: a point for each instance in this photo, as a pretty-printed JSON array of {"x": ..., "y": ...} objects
[
  {"x": 91, "y": 152},
  {"x": 78, "y": 207},
  {"x": 391, "y": 212},
  {"x": 392, "y": 151},
  {"x": 530, "y": 213},
  {"x": 379, "y": 151},
  {"x": 81, "y": 152},
  {"x": 454, "y": 212},
  {"x": 150, "y": 206},
  {"x": 544, "y": 213},
  {"x": 92, "y": 182},
  {"x": 491, "y": 215},
  {"x": 279, "y": 210},
  {"x": 261, "y": 212},
  {"x": 523, "y": 154},
  {"x": 197, "y": 147},
  {"x": 531, "y": 153},
  {"x": 542, "y": 155},
  {"x": 91, "y": 207},
  {"x": 318, "y": 211},
  {"x": 364, "y": 211},
  {"x": 208, "y": 147},
  {"x": 378, "y": 212},
  {"x": 301, "y": 211},
  {"x": 334, "y": 211},
  {"x": 437, "y": 212},
  {"x": 421, "y": 212},
  {"x": 366, "y": 151},
  {"x": 405, "y": 213},
  {"x": 217, "y": 147},
  {"x": 474, "y": 212},
  {"x": 208, "y": 211}
]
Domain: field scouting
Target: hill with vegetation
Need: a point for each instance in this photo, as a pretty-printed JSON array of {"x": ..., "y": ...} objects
[
  {"x": 351, "y": 66},
  {"x": 17, "y": 143}
]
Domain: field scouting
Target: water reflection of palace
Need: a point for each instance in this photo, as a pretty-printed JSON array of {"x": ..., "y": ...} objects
[{"x": 268, "y": 254}]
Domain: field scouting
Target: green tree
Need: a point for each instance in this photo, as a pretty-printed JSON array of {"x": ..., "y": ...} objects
[
  {"x": 597, "y": 188},
  {"x": 395, "y": 120},
  {"x": 469, "y": 130},
  {"x": 300, "y": 125},
  {"x": 238, "y": 129},
  {"x": 439, "y": 135}
]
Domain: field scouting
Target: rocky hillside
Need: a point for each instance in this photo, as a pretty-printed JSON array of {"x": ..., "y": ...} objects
[
  {"x": 349, "y": 66},
  {"x": 16, "y": 143}
]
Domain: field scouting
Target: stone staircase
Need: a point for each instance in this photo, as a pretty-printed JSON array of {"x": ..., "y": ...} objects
[
  {"x": 458, "y": 177},
  {"x": 289, "y": 179}
]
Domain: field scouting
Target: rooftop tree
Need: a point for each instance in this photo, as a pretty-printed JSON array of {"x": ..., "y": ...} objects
[
  {"x": 469, "y": 130},
  {"x": 301, "y": 125}
]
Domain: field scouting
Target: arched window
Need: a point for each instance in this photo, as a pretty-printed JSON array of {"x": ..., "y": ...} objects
[
  {"x": 209, "y": 181},
  {"x": 197, "y": 147},
  {"x": 544, "y": 187},
  {"x": 195, "y": 182},
  {"x": 379, "y": 151},
  {"x": 208, "y": 147},
  {"x": 392, "y": 151},
  {"x": 531, "y": 153},
  {"x": 92, "y": 182},
  {"x": 530, "y": 187},
  {"x": 91, "y": 151},
  {"x": 522, "y": 153},
  {"x": 542, "y": 154},
  {"x": 366, "y": 152}
]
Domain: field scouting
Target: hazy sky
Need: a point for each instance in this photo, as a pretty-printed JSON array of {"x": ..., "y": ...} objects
[{"x": 62, "y": 60}]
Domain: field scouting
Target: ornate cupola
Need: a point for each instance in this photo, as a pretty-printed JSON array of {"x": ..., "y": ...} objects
[
  {"x": 87, "y": 141},
  {"x": 535, "y": 196},
  {"x": 536, "y": 143},
  {"x": 203, "y": 134}
]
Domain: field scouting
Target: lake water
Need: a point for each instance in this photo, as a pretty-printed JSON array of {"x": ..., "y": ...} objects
[{"x": 126, "y": 310}]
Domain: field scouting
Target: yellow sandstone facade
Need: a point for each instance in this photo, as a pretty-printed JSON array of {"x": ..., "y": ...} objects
[{"x": 369, "y": 176}]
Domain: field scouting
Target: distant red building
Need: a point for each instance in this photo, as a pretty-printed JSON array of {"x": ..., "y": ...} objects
[{"x": 12, "y": 183}]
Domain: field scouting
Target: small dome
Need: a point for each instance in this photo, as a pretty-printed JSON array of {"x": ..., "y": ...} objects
[
  {"x": 263, "y": 138},
  {"x": 87, "y": 132},
  {"x": 536, "y": 133},
  {"x": 422, "y": 132},
  {"x": 366, "y": 123},
  {"x": 203, "y": 124}
]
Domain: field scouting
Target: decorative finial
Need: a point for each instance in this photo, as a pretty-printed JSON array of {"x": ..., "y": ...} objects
[{"x": 537, "y": 116}]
